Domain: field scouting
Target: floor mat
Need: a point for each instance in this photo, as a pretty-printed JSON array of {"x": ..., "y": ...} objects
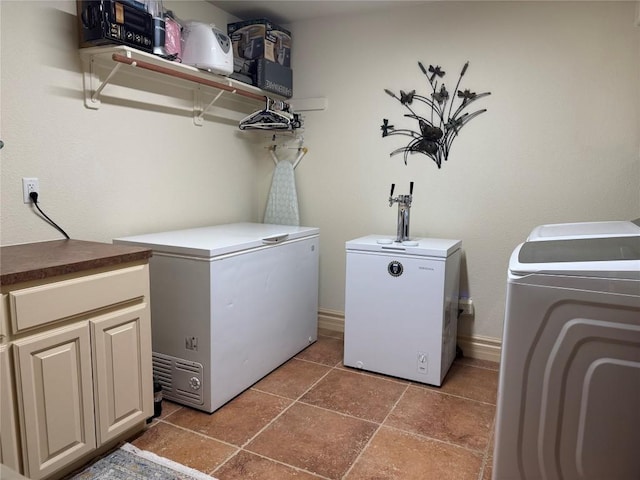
[{"x": 131, "y": 463}]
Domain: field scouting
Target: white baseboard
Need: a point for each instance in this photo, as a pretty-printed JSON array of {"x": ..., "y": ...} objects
[
  {"x": 481, "y": 348},
  {"x": 331, "y": 320},
  {"x": 476, "y": 346}
]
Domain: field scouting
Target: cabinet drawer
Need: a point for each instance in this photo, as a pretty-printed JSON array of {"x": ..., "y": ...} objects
[{"x": 35, "y": 306}]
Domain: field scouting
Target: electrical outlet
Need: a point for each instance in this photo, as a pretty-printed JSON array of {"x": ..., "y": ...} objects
[
  {"x": 466, "y": 305},
  {"x": 29, "y": 185}
]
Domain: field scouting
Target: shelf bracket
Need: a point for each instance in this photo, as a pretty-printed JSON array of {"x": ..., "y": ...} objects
[
  {"x": 91, "y": 95},
  {"x": 101, "y": 64},
  {"x": 309, "y": 104},
  {"x": 198, "y": 110}
]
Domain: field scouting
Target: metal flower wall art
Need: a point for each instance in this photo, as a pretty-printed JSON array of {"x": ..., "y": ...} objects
[{"x": 443, "y": 121}]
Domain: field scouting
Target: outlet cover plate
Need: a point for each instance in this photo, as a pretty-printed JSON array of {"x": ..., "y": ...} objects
[{"x": 29, "y": 184}]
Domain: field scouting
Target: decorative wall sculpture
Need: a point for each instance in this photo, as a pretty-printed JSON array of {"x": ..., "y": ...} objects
[{"x": 438, "y": 128}]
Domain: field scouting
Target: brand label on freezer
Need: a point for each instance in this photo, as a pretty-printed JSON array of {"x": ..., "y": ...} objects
[{"x": 395, "y": 268}]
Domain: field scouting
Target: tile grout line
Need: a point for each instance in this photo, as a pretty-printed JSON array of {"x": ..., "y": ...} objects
[
  {"x": 293, "y": 402},
  {"x": 481, "y": 451},
  {"x": 461, "y": 362},
  {"x": 380, "y": 425},
  {"x": 342, "y": 414},
  {"x": 414, "y": 383},
  {"x": 241, "y": 447},
  {"x": 305, "y": 360},
  {"x": 485, "y": 456},
  {"x": 210, "y": 473},
  {"x": 426, "y": 388},
  {"x": 208, "y": 437},
  {"x": 492, "y": 369},
  {"x": 299, "y": 469},
  {"x": 180, "y": 407},
  {"x": 366, "y": 373},
  {"x": 375, "y": 433},
  {"x": 339, "y": 366},
  {"x": 339, "y": 335},
  {"x": 226, "y": 460},
  {"x": 433, "y": 439}
]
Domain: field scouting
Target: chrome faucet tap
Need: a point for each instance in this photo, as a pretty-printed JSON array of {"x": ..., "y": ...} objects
[{"x": 404, "y": 205}]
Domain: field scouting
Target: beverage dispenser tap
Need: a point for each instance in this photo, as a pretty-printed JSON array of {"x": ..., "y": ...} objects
[{"x": 404, "y": 205}]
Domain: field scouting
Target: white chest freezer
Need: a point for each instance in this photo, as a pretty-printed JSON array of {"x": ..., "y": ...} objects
[
  {"x": 229, "y": 304},
  {"x": 401, "y": 306},
  {"x": 569, "y": 391}
]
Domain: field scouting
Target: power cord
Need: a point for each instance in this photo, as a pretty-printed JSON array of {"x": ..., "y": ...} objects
[{"x": 34, "y": 198}]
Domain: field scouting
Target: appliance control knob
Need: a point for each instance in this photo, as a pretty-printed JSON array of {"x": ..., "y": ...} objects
[{"x": 194, "y": 383}]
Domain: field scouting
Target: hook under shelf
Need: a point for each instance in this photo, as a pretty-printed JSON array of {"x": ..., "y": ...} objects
[{"x": 302, "y": 151}]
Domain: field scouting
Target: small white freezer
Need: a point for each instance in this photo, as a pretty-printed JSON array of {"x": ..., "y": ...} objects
[
  {"x": 401, "y": 306},
  {"x": 229, "y": 303}
]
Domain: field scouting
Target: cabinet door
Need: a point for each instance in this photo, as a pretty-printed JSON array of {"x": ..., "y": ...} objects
[
  {"x": 4, "y": 308},
  {"x": 55, "y": 391},
  {"x": 122, "y": 369},
  {"x": 9, "y": 453}
]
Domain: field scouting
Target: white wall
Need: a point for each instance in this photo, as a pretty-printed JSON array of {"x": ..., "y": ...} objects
[
  {"x": 115, "y": 171},
  {"x": 559, "y": 143}
]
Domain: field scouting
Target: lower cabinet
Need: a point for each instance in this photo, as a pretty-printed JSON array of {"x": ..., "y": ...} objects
[
  {"x": 79, "y": 386},
  {"x": 55, "y": 391},
  {"x": 123, "y": 378},
  {"x": 9, "y": 449}
]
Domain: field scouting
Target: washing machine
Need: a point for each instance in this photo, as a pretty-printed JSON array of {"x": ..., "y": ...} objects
[
  {"x": 569, "y": 390},
  {"x": 401, "y": 306}
]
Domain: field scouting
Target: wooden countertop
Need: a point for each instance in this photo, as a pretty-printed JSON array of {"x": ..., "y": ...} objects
[{"x": 38, "y": 261}]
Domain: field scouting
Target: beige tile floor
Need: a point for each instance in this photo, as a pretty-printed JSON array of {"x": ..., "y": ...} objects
[{"x": 313, "y": 418}]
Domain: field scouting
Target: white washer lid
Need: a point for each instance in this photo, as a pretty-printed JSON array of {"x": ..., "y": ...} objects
[
  {"x": 429, "y": 247},
  {"x": 217, "y": 240},
  {"x": 559, "y": 231},
  {"x": 612, "y": 257}
]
